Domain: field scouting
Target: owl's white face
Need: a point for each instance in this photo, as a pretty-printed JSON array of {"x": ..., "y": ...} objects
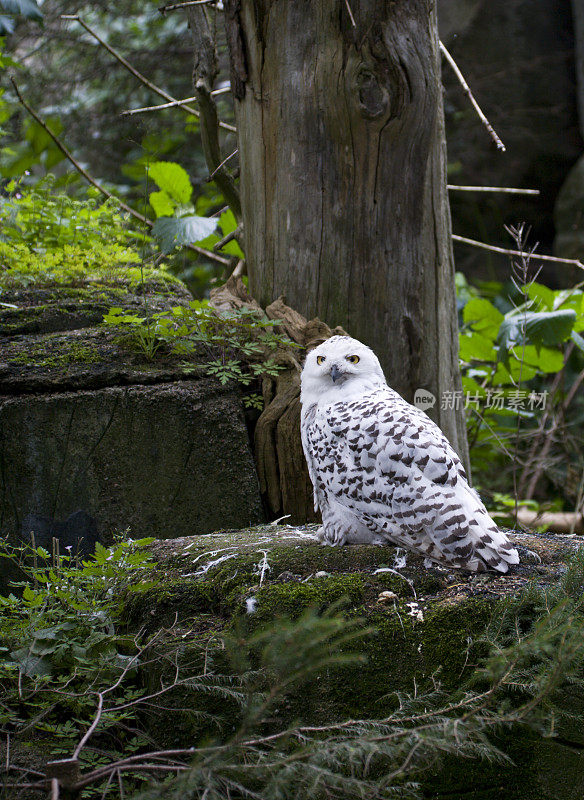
[{"x": 338, "y": 367}]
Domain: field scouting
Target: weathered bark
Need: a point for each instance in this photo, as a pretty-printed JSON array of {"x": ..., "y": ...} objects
[{"x": 342, "y": 154}]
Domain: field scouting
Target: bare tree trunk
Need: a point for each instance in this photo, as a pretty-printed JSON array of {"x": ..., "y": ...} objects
[{"x": 343, "y": 177}]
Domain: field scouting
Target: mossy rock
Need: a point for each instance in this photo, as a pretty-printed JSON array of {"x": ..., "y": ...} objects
[
  {"x": 96, "y": 438},
  {"x": 426, "y": 625}
]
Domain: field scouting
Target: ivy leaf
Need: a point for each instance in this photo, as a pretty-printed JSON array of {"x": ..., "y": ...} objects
[
  {"x": 172, "y": 179},
  {"x": 173, "y": 232}
]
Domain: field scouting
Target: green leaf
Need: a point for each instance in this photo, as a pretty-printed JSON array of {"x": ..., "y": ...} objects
[
  {"x": 162, "y": 204},
  {"x": 173, "y": 232},
  {"x": 541, "y": 295},
  {"x": 24, "y": 8},
  {"x": 534, "y": 327},
  {"x": 172, "y": 179},
  {"x": 476, "y": 347},
  {"x": 544, "y": 359},
  {"x": 483, "y": 317},
  {"x": 578, "y": 340}
]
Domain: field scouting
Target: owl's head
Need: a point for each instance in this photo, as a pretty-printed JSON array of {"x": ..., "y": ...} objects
[{"x": 338, "y": 367}]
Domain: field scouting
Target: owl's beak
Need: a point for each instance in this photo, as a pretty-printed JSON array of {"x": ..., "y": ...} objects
[{"x": 335, "y": 372}]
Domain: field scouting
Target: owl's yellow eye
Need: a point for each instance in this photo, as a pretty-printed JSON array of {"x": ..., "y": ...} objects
[
  {"x": 353, "y": 359},
  {"x": 320, "y": 359}
]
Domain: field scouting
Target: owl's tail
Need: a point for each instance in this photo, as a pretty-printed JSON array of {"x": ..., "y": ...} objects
[{"x": 491, "y": 548}]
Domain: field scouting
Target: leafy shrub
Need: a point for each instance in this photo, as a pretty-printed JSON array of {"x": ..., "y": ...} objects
[
  {"x": 237, "y": 344},
  {"x": 521, "y": 352}
]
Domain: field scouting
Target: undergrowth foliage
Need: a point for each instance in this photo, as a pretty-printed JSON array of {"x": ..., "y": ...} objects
[
  {"x": 48, "y": 237},
  {"x": 74, "y": 681},
  {"x": 237, "y": 344},
  {"x": 522, "y": 361}
]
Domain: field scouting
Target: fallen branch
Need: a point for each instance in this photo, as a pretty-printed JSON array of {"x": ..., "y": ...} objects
[
  {"x": 142, "y": 78},
  {"x": 470, "y": 96},
  {"x": 558, "y": 522},
  {"x": 454, "y": 187},
  {"x": 90, "y": 179},
  {"x": 504, "y": 251}
]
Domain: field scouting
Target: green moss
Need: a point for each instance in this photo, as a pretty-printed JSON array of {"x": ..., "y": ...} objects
[{"x": 50, "y": 354}]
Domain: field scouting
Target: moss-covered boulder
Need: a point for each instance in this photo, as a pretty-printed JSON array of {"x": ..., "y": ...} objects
[
  {"x": 426, "y": 625},
  {"x": 94, "y": 436}
]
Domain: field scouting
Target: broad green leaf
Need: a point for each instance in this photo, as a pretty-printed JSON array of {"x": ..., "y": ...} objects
[
  {"x": 542, "y": 296},
  {"x": 173, "y": 232},
  {"x": 162, "y": 204},
  {"x": 483, "y": 317},
  {"x": 544, "y": 359},
  {"x": 539, "y": 328},
  {"x": 172, "y": 179},
  {"x": 513, "y": 373},
  {"x": 476, "y": 347}
]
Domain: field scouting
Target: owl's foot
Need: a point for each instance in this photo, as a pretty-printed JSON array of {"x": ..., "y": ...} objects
[
  {"x": 527, "y": 556},
  {"x": 330, "y": 537}
]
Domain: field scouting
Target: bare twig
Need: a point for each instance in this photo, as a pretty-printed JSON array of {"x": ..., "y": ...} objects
[
  {"x": 454, "y": 187},
  {"x": 173, "y": 103},
  {"x": 90, "y": 179},
  {"x": 470, "y": 96},
  {"x": 165, "y": 9},
  {"x": 504, "y": 251},
  {"x": 222, "y": 164},
  {"x": 142, "y": 78},
  {"x": 353, "y": 23},
  {"x": 92, "y": 727}
]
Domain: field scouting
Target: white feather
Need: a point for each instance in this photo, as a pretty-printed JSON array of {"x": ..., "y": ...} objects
[{"x": 382, "y": 471}]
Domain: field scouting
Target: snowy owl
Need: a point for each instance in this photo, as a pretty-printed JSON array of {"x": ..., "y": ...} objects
[{"x": 383, "y": 472}]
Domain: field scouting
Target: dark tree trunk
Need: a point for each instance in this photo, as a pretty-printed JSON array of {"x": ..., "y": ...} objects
[{"x": 343, "y": 177}]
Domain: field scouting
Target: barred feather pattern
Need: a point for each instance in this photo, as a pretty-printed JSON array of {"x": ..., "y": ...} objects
[{"x": 383, "y": 472}]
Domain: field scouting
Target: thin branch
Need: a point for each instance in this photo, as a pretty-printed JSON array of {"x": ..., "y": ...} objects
[
  {"x": 142, "y": 78},
  {"x": 222, "y": 164},
  {"x": 90, "y": 179},
  {"x": 172, "y": 104},
  {"x": 454, "y": 187},
  {"x": 353, "y": 23},
  {"x": 229, "y": 238},
  {"x": 92, "y": 727},
  {"x": 67, "y": 153},
  {"x": 470, "y": 96},
  {"x": 165, "y": 9},
  {"x": 504, "y": 251},
  {"x": 240, "y": 269}
]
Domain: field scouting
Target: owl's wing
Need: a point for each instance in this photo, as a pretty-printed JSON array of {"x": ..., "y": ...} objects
[
  {"x": 390, "y": 464},
  {"x": 306, "y": 434}
]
